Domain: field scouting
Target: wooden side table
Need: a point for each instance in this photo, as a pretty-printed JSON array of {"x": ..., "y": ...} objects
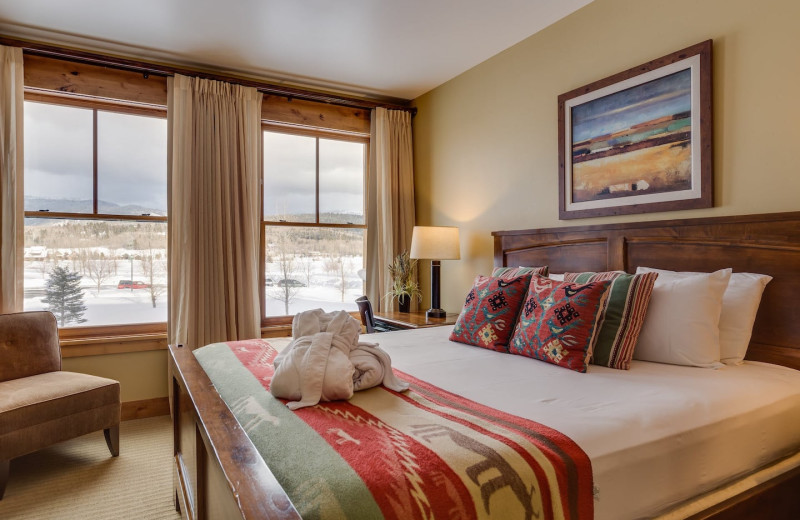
[{"x": 414, "y": 320}]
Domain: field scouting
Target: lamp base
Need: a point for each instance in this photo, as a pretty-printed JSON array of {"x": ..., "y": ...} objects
[{"x": 436, "y": 313}]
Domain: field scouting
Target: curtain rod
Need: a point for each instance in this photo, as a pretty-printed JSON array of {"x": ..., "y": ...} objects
[{"x": 79, "y": 56}]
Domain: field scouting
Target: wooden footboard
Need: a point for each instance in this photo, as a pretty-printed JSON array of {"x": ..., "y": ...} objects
[{"x": 218, "y": 473}]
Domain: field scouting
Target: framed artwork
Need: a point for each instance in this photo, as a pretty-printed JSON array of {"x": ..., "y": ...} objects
[{"x": 639, "y": 141}]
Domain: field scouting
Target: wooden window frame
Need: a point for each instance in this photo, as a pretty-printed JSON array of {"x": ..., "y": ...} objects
[
  {"x": 317, "y": 133},
  {"x": 100, "y": 331}
]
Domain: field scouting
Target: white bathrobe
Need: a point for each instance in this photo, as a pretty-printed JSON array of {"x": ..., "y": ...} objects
[{"x": 317, "y": 366}]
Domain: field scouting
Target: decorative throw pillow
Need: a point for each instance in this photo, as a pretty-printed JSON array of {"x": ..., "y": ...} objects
[
  {"x": 490, "y": 311},
  {"x": 511, "y": 272},
  {"x": 628, "y": 298},
  {"x": 682, "y": 323},
  {"x": 559, "y": 322},
  {"x": 739, "y": 308}
]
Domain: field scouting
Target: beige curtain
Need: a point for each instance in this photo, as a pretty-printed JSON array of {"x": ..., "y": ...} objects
[
  {"x": 390, "y": 199},
  {"x": 11, "y": 202},
  {"x": 214, "y": 156}
]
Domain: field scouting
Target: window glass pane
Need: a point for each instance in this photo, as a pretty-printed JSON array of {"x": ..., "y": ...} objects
[
  {"x": 115, "y": 272},
  {"x": 290, "y": 177},
  {"x": 310, "y": 268},
  {"x": 58, "y": 158},
  {"x": 131, "y": 164},
  {"x": 341, "y": 182}
]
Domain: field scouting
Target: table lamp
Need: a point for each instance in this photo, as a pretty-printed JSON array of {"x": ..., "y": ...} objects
[{"x": 435, "y": 243}]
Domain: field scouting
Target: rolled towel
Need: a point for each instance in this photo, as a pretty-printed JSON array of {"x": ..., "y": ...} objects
[{"x": 373, "y": 367}]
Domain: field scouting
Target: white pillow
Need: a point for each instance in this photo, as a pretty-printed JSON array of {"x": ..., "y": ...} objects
[
  {"x": 682, "y": 322},
  {"x": 559, "y": 277},
  {"x": 739, "y": 308}
]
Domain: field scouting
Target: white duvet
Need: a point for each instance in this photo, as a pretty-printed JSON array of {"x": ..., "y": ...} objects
[{"x": 657, "y": 434}]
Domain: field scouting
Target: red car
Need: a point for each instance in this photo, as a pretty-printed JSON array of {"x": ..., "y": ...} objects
[{"x": 132, "y": 284}]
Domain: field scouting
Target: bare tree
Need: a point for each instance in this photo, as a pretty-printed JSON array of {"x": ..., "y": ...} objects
[
  {"x": 152, "y": 265},
  {"x": 339, "y": 266},
  {"x": 84, "y": 256},
  {"x": 99, "y": 268},
  {"x": 307, "y": 267},
  {"x": 44, "y": 266},
  {"x": 284, "y": 256}
]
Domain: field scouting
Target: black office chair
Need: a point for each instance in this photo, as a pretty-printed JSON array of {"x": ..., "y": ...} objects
[
  {"x": 365, "y": 310},
  {"x": 368, "y": 318}
]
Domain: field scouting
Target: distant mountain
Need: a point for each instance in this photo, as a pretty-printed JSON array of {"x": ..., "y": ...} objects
[
  {"x": 85, "y": 206},
  {"x": 326, "y": 218}
]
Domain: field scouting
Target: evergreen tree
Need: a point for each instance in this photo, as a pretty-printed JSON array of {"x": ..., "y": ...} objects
[{"x": 64, "y": 296}]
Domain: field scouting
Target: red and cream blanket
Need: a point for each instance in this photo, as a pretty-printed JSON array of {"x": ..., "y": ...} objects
[{"x": 424, "y": 453}]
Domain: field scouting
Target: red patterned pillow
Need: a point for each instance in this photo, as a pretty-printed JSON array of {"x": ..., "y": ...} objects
[
  {"x": 560, "y": 321},
  {"x": 490, "y": 311}
]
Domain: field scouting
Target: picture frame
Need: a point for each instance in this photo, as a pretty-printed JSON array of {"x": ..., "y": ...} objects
[{"x": 639, "y": 141}]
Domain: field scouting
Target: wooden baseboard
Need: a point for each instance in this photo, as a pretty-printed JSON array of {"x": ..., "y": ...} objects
[{"x": 145, "y": 408}]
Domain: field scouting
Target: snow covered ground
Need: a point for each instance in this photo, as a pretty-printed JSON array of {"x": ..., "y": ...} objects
[{"x": 113, "y": 306}]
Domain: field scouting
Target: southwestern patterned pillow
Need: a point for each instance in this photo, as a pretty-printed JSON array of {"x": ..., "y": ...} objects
[
  {"x": 559, "y": 322},
  {"x": 490, "y": 311},
  {"x": 511, "y": 272},
  {"x": 627, "y": 305}
]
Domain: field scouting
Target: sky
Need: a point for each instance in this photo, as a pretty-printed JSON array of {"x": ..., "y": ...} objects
[
  {"x": 290, "y": 176},
  {"x": 132, "y": 163},
  {"x": 661, "y": 97},
  {"x": 132, "y": 156}
]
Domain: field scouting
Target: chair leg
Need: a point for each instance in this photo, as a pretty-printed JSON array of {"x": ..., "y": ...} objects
[
  {"x": 4, "y": 465},
  {"x": 112, "y": 439}
]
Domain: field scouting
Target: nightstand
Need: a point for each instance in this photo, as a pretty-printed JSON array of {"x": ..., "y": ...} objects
[{"x": 413, "y": 320}]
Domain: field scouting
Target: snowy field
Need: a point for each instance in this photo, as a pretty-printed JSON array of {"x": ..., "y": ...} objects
[{"x": 113, "y": 306}]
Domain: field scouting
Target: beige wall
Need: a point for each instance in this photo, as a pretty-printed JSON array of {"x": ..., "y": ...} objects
[
  {"x": 142, "y": 375},
  {"x": 486, "y": 154}
]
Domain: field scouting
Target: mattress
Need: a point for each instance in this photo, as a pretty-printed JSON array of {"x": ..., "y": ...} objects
[{"x": 657, "y": 434}]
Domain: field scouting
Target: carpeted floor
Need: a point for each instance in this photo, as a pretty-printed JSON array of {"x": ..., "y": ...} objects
[{"x": 79, "y": 479}]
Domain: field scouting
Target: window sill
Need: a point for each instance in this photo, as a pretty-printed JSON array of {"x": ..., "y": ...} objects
[
  {"x": 104, "y": 345},
  {"x": 276, "y": 331},
  {"x": 120, "y": 344}
]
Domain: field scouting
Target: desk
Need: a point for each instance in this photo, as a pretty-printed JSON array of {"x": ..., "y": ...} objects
[{"x": 414, "y": 320}]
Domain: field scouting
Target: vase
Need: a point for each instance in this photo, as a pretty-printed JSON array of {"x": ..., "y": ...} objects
[{"x": 404, "y": 303}]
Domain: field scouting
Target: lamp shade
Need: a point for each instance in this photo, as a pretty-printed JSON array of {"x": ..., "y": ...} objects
[{"x": 435, "y": 243}]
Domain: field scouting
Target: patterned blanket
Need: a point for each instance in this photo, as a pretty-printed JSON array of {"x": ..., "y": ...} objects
[{"x": 425, "y": 453}]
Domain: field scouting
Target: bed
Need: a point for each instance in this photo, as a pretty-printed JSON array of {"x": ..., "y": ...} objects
[{"x": 220, "y": 474}]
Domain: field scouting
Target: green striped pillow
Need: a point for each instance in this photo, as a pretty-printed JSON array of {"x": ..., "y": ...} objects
[
  {"x": 627, "y": 305},
  {"x": 513, "y": 272}
]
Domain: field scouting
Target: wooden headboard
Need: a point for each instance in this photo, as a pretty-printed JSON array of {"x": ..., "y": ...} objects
[{"x": 767, "y": 244}]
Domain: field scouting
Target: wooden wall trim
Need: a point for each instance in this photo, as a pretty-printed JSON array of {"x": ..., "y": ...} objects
[
  {"x": 145, "y": 408},
  {"x": 56, "y": 80},
  {"x": 52, "y": 75},
  {"x": 45, "y": 50},
  {"x": 304, "y": 113}
]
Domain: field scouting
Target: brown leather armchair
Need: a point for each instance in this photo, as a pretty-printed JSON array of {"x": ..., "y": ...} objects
[{"x": 40, "y": 404}]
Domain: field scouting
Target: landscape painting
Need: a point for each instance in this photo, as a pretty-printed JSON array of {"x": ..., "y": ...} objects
[
  {"x": 634, "y": 142},
  {"x": 639, "y": 141}
]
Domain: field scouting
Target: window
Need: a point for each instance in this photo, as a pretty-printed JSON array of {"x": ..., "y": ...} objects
[
  {"x": 314, "y": 227},
  {"x": 95, "y": 213}
]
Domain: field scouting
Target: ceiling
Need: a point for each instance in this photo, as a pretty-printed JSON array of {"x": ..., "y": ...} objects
[{"x": 375, "y": 48}]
